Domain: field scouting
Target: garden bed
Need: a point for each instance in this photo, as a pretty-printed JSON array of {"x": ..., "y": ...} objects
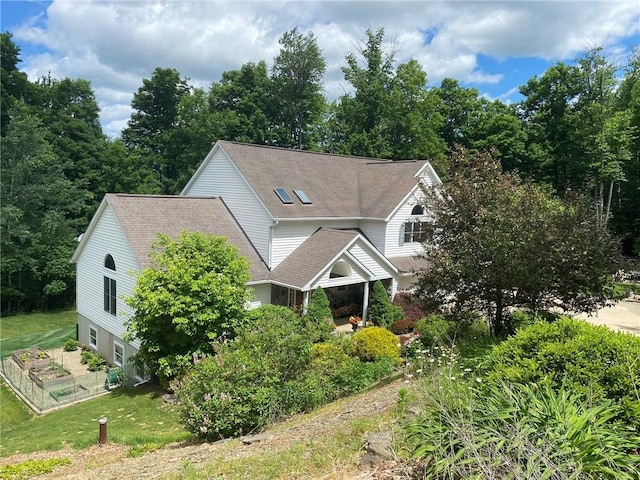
[
  {"x": 59, "y": 394},
  {"x": 50, "y": 375},
  {"x": 29, "y": 358}
]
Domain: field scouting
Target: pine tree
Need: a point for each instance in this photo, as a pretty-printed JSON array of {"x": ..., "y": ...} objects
[{"x": 381, "y": 311}]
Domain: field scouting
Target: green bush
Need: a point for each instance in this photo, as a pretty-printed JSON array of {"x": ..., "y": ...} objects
[
  {"x": 93, "y": 361},
  {"x": 271, "y": 370},
  {"x": 71, "y": 345},
  {"x": 319, "y": 307},
  {"x": 590, "y": 360},
  {"x": 511, "y": 431},
  {"x": 435, "y": 329},
  {"x": 372, "y": 343},
  {"x": 382, "y": 312}
]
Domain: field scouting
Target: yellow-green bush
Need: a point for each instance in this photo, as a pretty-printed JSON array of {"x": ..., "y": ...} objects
[{"x": 372, "y": 343}]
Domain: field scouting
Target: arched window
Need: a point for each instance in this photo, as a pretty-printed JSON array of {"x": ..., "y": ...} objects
[
  {"x": 110, "y": 294},
  {"x": 340, "y": 269},
  {"x": 109, "y": 263},
  {"x": 417, "y": 210}
]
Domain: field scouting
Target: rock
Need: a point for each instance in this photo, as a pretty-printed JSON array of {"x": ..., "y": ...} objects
[
  {"x": 261, "y": 437},
  {"x": 170, "y": 398},
  {"x": 369, "y": 461},
  {"x": 412, "y": 411},
  {"x": 379, "y": 445}
]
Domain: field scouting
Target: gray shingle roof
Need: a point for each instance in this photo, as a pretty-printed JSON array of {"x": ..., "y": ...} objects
[
  {"x": 143, "y": 216},
  {"x": 338, "y": 186},
  {"x": 410, "y": 264},
  {"x": 315, "y": 253}
]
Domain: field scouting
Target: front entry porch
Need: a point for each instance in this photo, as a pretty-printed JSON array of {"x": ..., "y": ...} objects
[{"x": 345, "y": 300}]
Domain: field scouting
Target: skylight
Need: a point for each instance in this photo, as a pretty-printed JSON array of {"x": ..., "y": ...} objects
[
  {"x": 302, "y": 196},
  {"x": 283, "y": 195}
]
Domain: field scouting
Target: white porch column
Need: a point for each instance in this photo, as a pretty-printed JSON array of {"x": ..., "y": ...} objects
[
  {"x": 394, "y": 288},
  {"x": 305, "y": 301},
  {"x": 365, "y": 303}
]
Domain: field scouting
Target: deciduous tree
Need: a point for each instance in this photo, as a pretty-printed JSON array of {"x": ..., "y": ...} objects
[
  {"x": 194, "y": 294},
  {"x": 496, "y": 241}
]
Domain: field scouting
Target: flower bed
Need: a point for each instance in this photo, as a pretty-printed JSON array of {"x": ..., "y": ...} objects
[
  {"x": 33, "y": 357},
  {"x": 49, "y": 375}
]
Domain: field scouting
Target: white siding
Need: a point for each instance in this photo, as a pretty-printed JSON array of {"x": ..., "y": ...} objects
[
  {"x": 106, "y": 238},
  {"x": 370, "y": 261},
  {"x": 287, "y": 236},
  {"x": 358, "y": 275},
  {"x": 261, "y": 295},
  {"x": 394, "y": 242},
  {"x": 221, "y": 178},
  {"x": 375, "y": 232},
  {"x": 407, "y": 282}
]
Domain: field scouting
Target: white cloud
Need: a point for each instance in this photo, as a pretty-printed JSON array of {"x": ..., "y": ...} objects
[{"x": 115, "y": 44}]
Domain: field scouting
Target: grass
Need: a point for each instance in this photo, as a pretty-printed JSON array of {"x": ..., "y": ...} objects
[
  {"x": 17, "y": 325},
  {"x": 622, "y": 288},
  {"x": 136, "y": 416},
  {"x": 12, "y": 410},
  {"x": 46, "y": 329},
  {"x": 324, "y": 456}
]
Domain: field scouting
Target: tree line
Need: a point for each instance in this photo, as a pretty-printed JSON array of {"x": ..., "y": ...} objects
[{"x": 577, "y": 129}]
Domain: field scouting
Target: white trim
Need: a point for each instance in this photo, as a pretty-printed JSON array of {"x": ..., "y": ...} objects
[
  {"x": 95, "y": 329},
  {"x": 121, "y": 345}
]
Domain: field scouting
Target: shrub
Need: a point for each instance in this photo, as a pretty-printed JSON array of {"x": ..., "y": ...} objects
[
  {"x": 590, "y": 360},
  {"x": 406, "y": 325},
  {"x": 409, "y": 305},
  {"x": 518, "y": 431},
  {"x": 93, "y": 361},
  {"x": 372, "y": 343},
  {"x": 269, "y": 371},
  {"x": 319, "y": 307},
  {"x": 71, "y": 345},
  {"x": 435, "y": 329},
  {"x": 382, "y": 312}
]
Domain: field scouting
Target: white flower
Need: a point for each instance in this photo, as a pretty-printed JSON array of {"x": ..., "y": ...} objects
[{"x": 478, "y": 379}]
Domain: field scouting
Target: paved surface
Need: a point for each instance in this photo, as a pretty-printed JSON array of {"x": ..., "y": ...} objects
[{"x": 623, "y": 316}]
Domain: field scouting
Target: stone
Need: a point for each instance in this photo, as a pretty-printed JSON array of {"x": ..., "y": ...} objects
[
  {"x": 251, "y": 439},
  {"x": 170, "y": 398},
  {"x": 379, "y": 445}
]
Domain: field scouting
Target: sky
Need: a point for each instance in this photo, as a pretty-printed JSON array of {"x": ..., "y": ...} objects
[{"x": 493, "y": 46}]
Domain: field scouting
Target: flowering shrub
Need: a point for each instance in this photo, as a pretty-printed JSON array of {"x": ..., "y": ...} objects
[
  {"x": 406, "y": 325},
  {"x": 271, "y": 370},
  {"x": 409, "y": 306},
  {"x": 372, "y": 343}
]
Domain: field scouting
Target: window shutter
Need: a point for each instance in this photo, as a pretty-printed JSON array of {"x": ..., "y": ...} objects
[{"x": 402, "y": 227}]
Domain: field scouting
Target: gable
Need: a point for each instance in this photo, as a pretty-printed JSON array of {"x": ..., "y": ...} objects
[{"x": 142, "y": 217}]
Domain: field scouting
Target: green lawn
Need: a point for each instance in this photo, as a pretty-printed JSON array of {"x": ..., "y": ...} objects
[
  {"x": 47, "y": 330},
  {"x": 13, "y": 411},
  {"x": 17, "y": 325},
  {"x": 137, "y": 417}
]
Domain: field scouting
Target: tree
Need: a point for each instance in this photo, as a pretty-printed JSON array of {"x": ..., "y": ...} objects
[
  {"x": 155, "y": 118},
  {"x": 40, "y": 208},
  {"x": 297, "y": 75},
  {"x": 240, "y": 104},
  {"x": 194, "y": 294},
  {"x": 382, "y": 312},
  {"x": 319, "y": 308},
  {"x": 15, "y": 85},
  {"x": 495, "y": 241}
]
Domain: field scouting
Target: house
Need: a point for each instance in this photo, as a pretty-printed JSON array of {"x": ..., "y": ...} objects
[{"x": 303, "y": 219}]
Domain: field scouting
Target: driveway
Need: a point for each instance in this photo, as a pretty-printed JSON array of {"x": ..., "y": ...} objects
[{"x": 625, "y": 316}]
